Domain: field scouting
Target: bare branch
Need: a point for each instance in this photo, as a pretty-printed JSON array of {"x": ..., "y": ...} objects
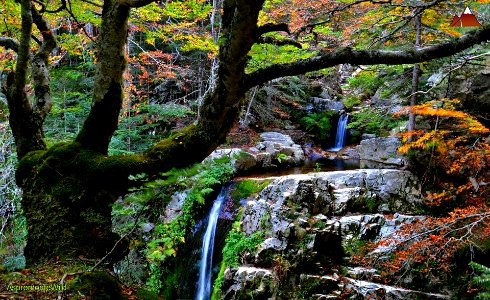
[
  {"x": 70, "y": 12},
  {"x": 9, "y": 43},
  {"x": 367, "y": 57}
]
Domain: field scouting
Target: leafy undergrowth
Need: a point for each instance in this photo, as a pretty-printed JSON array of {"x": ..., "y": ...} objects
[{"x": 61, "y": 280}]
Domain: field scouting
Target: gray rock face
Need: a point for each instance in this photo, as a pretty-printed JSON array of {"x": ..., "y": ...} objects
[
  {"x": 381, "y": 153},
  {"x": 317, "y": 219},
  {"x": 292, "y": 204},
  {"x": 472, "y": 87},
  {"x": 332, "y": 193}
]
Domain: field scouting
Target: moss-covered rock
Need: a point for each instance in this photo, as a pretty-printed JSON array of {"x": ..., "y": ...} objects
[{"x": 97, "y": 285}]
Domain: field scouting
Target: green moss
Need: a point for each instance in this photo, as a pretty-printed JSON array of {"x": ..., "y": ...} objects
[
  {"x": 218, "y": 283},
  {"x": 247, "y": 187},
  {"x": 27, "y": 164},
  {"x": 97, "y": 285},
  {"x": 143, "y": 294},
  {"x": 238, "y": 242}
]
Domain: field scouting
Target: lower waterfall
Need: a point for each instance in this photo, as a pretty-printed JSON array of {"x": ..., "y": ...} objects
[{"x": 206, "y": 263}]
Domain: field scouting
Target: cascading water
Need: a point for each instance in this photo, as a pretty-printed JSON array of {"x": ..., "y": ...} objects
[
  {"x": 341, "y": 133},
  {"x": 206, "y": 263}
]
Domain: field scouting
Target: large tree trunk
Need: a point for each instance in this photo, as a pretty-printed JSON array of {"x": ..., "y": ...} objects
[
  {"x": 69, "y": 188},
  {"x": 67, "y": 212}
]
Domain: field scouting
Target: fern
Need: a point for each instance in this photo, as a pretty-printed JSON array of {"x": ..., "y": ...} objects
[
  {"x": 483, "y": 280},
  {"x": 318, "y": 123}
]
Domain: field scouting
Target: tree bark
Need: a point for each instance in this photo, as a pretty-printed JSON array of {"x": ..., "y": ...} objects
[
  {"x": 108, "y": 91},
  {"x": 415, "y": 75}
]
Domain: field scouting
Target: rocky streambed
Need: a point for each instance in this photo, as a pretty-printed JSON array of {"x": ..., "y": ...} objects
[{"x": 308, "y": 227}]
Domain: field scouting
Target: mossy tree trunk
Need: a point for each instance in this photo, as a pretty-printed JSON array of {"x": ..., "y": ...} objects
[{"x": 69, "y": 188}]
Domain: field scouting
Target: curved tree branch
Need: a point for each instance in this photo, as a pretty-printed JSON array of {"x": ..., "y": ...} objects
[
  {"x": 9, "y": 43},
  {"x": 270, "y": 27},
  {"x": 367, "y": 57},
  {"x": 274, "y": 41}
]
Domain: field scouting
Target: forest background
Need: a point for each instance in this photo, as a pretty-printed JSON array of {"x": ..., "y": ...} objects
[{"x": 174, "y": 53}]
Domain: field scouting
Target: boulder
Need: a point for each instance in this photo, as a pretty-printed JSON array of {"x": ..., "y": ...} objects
[
  {"x": 247, "y": 283},
  {"x": 325, "y": 104},
  {"x": 280, "y": 148},
  {"x": 381, "y": 152},
  {"x": 276, "y": 150}
]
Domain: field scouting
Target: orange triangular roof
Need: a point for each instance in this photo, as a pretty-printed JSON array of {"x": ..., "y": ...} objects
[
  {"x": 456, "y": 22},
  {"x": 467, "y": 19}
]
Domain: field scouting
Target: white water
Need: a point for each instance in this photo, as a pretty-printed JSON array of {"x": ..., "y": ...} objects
[
  {"x": 206, "y": 263},
  {"x": 341, "y": 133}
]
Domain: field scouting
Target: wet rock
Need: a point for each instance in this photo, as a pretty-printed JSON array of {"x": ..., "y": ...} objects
[
  {"x": 174, "y": 207},
  {"x": 381, "y": 153},
  {"x": 315, "y": 284},
  {"x": 359, "y": 289},
  {"x": 247, "y": 283},
  {"x": 349, "y": 153}
]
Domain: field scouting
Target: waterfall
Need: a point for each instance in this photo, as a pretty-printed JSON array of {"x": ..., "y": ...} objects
[
  {"x": 206, "y": 263},
  {"x": 341, "y": 133}
]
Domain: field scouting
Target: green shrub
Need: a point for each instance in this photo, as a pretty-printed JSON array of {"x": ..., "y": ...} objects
[
  {"x": 351, "y": 101},
  {"x": 236, "y": 244},
  {"x": 370, "y": 120},
  {"x": 483, "y": 280},
  {"x": 366, "y": 81},
  {"x": 247, "y": 187},
  {"x": 318, "y": 123}
]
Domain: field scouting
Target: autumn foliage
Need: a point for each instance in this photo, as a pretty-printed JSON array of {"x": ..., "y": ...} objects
[{"x": 453, "y": 160}]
